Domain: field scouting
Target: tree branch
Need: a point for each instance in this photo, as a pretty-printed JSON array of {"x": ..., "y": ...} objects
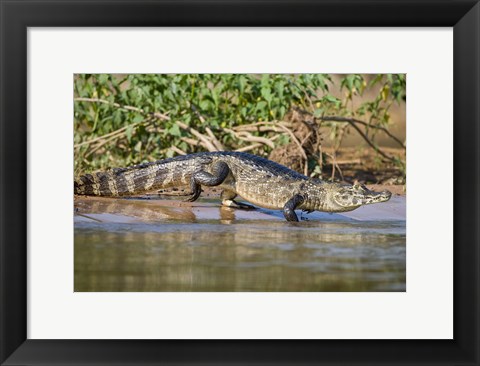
[
  {"x": 365, "y": 137},
  {"x": 124, "y": 107},
  {"x": 353, "y": 121}
]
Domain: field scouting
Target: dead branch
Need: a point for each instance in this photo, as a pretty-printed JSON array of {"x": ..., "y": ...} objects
[
  {"x": 191, "y": 141},
  {"x": 206, "y": 142},
  {"x": 246, "y": 136},
  {"x": 335, "y": 165},
  {"x": 119, "y": 132},
  {"x": 215, "y": 141},
  {"x": 256, "y": 129},
  {"x": 104, "y": 142},
  {"x": 124, "y": 107},
  {"x": 249, "y": 147},
  {"x": 354, "y": 121},
  {"x": 364, "y": 136},
  {"x": 256, "y": 126},
  {"x": 254, "y": 146},
  {"x": 299, "y": 145},
  {"x": 177, "y": 150}
]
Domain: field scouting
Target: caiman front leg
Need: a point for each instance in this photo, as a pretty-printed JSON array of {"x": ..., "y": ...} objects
[
  {"x": 220, "y": 171},
  {"x": 228, "y": 200},
  {"x": 290, "y": 206}
]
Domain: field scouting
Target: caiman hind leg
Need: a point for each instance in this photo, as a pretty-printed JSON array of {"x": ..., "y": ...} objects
[
  {"x": 290, "y": 206},
  {"x": 228, "y": 200},
  {"x": 220, "y": 171}
]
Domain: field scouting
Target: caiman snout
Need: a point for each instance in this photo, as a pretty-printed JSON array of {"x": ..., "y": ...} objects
[
  {"x": 375, "y": 197},
  {"x": 350, "y": 197},
  {"x": 385, "y": 195}
]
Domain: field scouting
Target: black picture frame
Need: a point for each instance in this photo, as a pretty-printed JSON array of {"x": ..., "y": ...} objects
[{"x": 18, "y": 15}]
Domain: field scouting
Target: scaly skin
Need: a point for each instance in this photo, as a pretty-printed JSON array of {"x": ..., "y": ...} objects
[{"x": 260, "y": 181}]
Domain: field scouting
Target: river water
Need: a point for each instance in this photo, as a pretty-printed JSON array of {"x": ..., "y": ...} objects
[{"x": 156, "y": 245}]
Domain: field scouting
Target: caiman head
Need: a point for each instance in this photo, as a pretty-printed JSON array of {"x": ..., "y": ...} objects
[{"x": 350, "y": 197}]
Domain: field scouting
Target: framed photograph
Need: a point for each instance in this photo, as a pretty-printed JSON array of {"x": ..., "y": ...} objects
[
  {"x": 226, "y": 187},
  {"x": 203, "y": 182}
]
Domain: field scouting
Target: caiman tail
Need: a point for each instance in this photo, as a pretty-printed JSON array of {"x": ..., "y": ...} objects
[{"x": 137, "y": 179}]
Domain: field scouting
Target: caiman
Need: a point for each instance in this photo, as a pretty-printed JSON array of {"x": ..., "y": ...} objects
[{"x": 258, "y": 180}]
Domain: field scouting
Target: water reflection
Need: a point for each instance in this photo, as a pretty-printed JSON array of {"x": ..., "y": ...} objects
[
  {"x": 139, "y": 210},
  {"x": 191, "y": 254}
]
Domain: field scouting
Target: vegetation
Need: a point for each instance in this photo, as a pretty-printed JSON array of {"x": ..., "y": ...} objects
[{"x": 122, "y": 120}]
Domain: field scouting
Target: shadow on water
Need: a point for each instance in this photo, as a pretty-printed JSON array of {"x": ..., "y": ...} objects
[{"x": 146, "y": 246}]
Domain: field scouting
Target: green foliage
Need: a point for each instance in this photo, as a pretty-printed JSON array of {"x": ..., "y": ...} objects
[{"x": 117, "y": 122}]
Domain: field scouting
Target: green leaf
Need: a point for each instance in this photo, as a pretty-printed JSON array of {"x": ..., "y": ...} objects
[
  {"x": 138, "y": 118},
  {"x": 375, "y": 80},
  {"x": 266, "y": 94},
  {"x": 128, "y": 133},
  {"x": 261, "y": 106},
  {"x": 174, "y": 130},
  {"x": 206, "y": 105},
  {"x": 265, "y": 80},
  {"x": 243, "y": 111},
  {"x": 183, "y": 145},
  {"x": 331, "y": 99},
  {"x": 103, "y": 78},
  {"x": 242, "y": 82}
]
